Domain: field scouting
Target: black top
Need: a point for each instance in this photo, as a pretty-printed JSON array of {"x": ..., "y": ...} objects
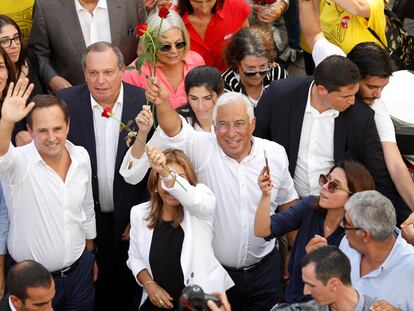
[{"x": 165, "y": 261}]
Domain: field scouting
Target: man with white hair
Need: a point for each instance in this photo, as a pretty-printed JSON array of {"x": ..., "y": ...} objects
[
  {"x": 230, "y": 162},
  {"x": 382, "y": 262}
]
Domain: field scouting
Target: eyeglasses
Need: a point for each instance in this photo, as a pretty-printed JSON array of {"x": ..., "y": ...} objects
[
  {"x": 178, "y": 46},
  {"x": 332, "y": 184},
  {"x": 225, "y": 127},
  {"x": 345, "y": 225},
  {"x": 6, "y": 42},
  {"x": 253, "y": 73}
]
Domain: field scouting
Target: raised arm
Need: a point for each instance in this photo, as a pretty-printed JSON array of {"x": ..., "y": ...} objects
[
  {"x": 13, "y": 110},
  {"x": 168, "y": 118},
  {"x": 262, "y": 224},
  {"x": 309, "y": 22}
]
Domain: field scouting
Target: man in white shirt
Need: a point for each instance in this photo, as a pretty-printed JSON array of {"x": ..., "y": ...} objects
[
  {"x": 382, "y": 262},
  {"x": 30, "y": 287},
  {"x": 103, "y": 66},
  {"x": 62, "y": 29},
  {"x": 230, "y": 162},
  {"x": 48, "y": 191}
]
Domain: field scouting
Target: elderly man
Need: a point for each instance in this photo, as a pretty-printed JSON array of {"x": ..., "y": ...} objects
[
  {"x": 30, "y": 287},
  {"x": 382, "y": 262},
  {"x": 103, "y": 68},
  {"x": 229, "y": 162},
  {"x": 47, "y": 186},
  {"x": 326, "y": 273},
  {"x": 62, "y": 29}
]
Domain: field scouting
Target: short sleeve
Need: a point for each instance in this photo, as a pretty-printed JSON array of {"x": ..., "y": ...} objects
[
  {"x": 383, "y": 121},
  {"x": 323, "y": 48}
]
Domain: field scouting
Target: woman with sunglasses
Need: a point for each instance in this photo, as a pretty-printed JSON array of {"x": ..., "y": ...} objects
[
  {"x": 174, "y": 58},
  {"x": 11, "y": 40},
  {"x": 317, "y": 219},
  {"x": 171, "y": 235},
  {"x": 251, "y": 55}
]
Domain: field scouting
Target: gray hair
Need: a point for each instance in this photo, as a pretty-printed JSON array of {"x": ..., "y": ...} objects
[
  {"x": 102, "y": 46},
  {"x": 373, "y": 212},
  {"x": 173, "y": 20},
  {"x": 233, "y": 98}
]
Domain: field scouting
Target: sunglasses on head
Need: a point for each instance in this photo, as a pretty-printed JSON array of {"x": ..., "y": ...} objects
[
  {"x": 168, "y": 47},
  {"x": 253, "y": 73},
  {"x": 332, "y": 184}
]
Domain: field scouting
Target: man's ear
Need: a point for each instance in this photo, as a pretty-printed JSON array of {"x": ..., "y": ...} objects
[
  {"x": 322, "y": 90},
  {"x": 334, "y": 284},
  {"x": 17, "y": 303}
]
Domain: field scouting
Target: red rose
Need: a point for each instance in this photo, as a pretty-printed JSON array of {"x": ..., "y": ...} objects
[
  {"x": 140, "y": 29},
  {"x": 271, "y": 1},
  {"x": 107, "y": 112},
  {"x": 163, "y": 12}
]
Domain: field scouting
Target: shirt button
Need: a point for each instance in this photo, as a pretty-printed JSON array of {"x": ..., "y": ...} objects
[
  {"x": 188, "y": 281},
  {"x": 192, "y": 274}
]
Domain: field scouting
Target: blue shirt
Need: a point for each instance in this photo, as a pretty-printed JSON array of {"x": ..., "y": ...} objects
[
  {"x": 309, "y": 221},
  {"x": 4, "y": 223}
]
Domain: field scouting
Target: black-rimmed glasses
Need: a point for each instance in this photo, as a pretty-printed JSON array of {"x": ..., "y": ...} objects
[
  {"x": 6, "y": 42},
  {"x": 346, "y": 226},
  {"x": 168, "y": 47},
  {"x": 332, "y": 184}
]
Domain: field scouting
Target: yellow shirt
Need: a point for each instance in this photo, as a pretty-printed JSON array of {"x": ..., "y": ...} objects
[
  {"x": 21, "y": 12},
  {"x": 345, "y": 30}
]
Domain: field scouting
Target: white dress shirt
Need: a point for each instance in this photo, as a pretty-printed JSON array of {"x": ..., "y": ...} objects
[
  {"x": 49, "y": 218},
  {"x": 316, "y": 148},
  {"x": 392, "y": 281},
  {"x": 106, "y": 141},
  {"x": 235, "y": 187},
  {"x": 95, "y": 26}
]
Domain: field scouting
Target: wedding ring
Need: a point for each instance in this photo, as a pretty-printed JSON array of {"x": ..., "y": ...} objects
[{"x": 161, "y": 302}]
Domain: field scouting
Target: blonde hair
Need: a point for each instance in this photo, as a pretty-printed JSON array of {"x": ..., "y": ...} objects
[
  {"x": 172, "y": 156},
  {"x": 173, "y": 20}
]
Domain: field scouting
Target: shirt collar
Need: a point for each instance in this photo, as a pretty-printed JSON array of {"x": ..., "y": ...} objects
[
  {"x": 360, "y": 304},
  {"x": 393, "y": 255},
  {"x": 102, "y": 4},
  {"x": 11, "y": 305},
  {"x": 333, "y": 113},
  {"x": 118, "y": 103}
]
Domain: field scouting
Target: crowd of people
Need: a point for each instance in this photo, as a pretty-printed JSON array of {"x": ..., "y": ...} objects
[{"x": 121, "y": 186}]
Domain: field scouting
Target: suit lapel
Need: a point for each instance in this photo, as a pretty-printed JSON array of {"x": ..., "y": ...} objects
[
  {"x": 298, "y": 105},
  {"x": 70, "y": 20},
  {"x": 340, "y": 137},
  {"x": 128, "y": 113},
  {"x": 115, "y": 18},
  {"x": 86, "y": 124}
]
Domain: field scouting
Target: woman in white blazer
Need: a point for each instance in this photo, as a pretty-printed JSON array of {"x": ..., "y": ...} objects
[{"x": 170, "y": 245}]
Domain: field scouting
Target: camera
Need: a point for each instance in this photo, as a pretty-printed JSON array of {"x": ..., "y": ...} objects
[
  {"x": 193, "y": 298},
  {"x": 302, "y": 306}
]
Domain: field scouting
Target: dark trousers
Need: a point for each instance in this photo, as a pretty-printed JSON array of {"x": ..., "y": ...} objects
[
  {"x": 76, "y": 291},
  {"x": 257, "y": 289},
  {"x": 116, "y": 288},
  {"x": 291, "y": 17}
]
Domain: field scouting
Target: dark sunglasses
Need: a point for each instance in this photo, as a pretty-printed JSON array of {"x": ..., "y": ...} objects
[
  {"x": 253, "y": 73},
  {"x": 345, "y": 225},
  {"x": 332, "y": 184},
  {"x": 178, "y": 46}
]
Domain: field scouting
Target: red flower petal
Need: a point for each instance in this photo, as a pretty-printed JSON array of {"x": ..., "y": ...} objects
[
  {"x": 163, "y": 12},
  {"x": 140, "y": 29},
  {"x": 107, "y": 112},
  {"x": 271, "y": 1}
]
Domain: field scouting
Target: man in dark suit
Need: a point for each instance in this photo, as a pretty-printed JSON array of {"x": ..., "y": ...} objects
[
  {"x": 62, "y": 29},
  {"x": 113, "y": 197},
  {"x": 30, "y": 287},
  {"x": 319, "y": 122}
]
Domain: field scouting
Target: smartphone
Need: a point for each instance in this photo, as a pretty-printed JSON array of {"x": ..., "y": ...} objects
[{"x": 266, "y": 163}]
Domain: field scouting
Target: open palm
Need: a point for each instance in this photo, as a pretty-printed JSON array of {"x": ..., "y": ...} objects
[{"x": 14, "y": 106}]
